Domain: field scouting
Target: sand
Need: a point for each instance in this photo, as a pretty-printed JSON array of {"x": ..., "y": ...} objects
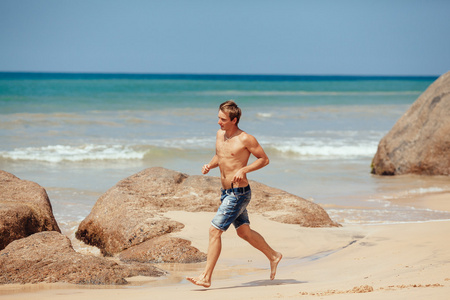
[{"x": 390, "y": 261}]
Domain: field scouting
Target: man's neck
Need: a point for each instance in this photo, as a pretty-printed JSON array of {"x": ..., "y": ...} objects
[{"x": 230, "y": 133}]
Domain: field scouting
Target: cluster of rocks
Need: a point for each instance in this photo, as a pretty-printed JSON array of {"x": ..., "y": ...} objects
[
  {"x": 127, "y": 222},
  {"x": 34, "y": 250}
]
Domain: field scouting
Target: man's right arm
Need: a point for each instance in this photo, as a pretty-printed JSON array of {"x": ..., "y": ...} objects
[{"x": 214, "y": 163}]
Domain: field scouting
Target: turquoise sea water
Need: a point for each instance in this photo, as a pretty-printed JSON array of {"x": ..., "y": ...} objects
[{"x": 79, "y": 134}]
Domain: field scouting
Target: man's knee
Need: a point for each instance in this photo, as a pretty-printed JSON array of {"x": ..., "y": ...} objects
[{"x": 214, "y": 232}]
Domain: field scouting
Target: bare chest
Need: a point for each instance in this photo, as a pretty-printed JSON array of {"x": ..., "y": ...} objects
[{"x": 232, "y": 148}]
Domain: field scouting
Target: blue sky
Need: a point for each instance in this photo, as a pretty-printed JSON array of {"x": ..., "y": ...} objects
[{"x": 318, "y": 37}]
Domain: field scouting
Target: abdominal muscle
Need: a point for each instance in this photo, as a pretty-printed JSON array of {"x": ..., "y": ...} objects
[
  {"x": 227, "y": 179},
  {"x": 229, "y": 166}
]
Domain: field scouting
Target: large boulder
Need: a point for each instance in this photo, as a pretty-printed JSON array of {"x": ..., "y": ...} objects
[
  {"x": 24, "y": 209},
  {"x": 130, "y": 212},
  {"x": 49, "y": 257},
  {"x": 419, "y": 143}
]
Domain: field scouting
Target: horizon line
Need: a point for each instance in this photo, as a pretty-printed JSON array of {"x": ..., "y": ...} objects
[{"x": 212, "y": 75}]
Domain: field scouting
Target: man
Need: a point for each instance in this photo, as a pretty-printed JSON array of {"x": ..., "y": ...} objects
[{"x": 233, "y": 149}]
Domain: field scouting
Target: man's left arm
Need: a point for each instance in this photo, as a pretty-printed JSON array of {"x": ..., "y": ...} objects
[{"x": 262, "y": 160}]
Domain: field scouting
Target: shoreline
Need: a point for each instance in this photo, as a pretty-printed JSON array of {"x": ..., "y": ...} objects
[
  {"x": 439, "y": 201},
  {"x": 406, "y": 260}
]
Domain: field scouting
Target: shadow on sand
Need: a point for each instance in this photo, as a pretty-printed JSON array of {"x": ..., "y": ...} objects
[{"x": 255, "y": 283}]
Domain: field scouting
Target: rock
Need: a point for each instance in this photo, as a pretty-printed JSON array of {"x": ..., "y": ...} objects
[
  {"x": 49, "y": 257},
  {"x": 289, "y": 208},
  {"x": 419, "y": 143},
  {"x": 163, "y": 250},
  {"x": 24, "y": 209},
  {"x": 130, "y": 212}
]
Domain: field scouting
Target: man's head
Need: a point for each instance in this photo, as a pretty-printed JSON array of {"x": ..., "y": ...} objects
[{"x": 230, "y": 107}]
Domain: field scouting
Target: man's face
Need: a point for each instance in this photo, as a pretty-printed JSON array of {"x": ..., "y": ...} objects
[{"x": 224, "y": 121}]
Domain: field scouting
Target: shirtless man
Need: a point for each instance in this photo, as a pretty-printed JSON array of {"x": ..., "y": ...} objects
[{"x": 233, "y": 149}]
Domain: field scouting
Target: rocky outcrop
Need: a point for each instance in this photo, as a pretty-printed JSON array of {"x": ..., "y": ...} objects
[
  {"x": 419, "y": 143},
  {"x": 288, "y": 208},
  {"x": 129, "y": 213},
  {"x": 49, "y": 257},
  {"x": 24, "y": 209},
  {"x": 163, "y": 250}
]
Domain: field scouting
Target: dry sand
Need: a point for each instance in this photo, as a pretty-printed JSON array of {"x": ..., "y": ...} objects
[{"x": 396, "y": 261}]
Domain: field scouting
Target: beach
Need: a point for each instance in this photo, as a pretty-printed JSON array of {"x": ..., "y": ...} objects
[
  {"x": 390, "y": 261},
  {"x": 77, "y": 135}
]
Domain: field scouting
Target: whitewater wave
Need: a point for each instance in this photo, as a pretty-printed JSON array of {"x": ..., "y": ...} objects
[
  {"x": 141, "y": 150},
  {"x": 301, "y": 148},
  {"x": 311, "y": 149},
  {"x": 58, "y": 153}
]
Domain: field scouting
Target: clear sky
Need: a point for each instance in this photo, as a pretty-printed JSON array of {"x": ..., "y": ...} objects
[{"x": 316, "y": 37}]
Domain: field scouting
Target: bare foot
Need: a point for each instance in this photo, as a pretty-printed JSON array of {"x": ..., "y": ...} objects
[
  {"x": 199, "y": 281},
  {"x": 274, "y": 265}
]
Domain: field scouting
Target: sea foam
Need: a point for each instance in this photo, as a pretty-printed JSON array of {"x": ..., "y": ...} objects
[
  {"x": 58, "y": 153},
  {"x": 312, "y": 149}
]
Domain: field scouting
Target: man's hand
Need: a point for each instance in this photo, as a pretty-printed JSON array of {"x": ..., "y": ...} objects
[
  {"x": 206, "y": 168},
  {"x": 214, "y": 163},
  {"x": 240, "y": 175}
]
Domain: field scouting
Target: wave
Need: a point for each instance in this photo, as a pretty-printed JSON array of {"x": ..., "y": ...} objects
[
  {"x": 145, "y": 150},
  {"x": 311, "y": 149},
  {"x": 300, "y": 148},
  {"x": 58, "y": 153}
]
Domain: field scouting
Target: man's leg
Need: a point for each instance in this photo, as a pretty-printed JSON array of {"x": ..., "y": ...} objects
[
  {"x": 257, "y": 241},
  {"x": 214, "y": 248}
]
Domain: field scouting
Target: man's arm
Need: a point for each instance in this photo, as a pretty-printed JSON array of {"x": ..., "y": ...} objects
[
  {"x": 214, "y": 163},
  {"x": 256, "y": 150}
]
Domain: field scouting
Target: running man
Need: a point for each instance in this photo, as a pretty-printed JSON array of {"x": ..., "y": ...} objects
[{"x": 233, "y": 149}]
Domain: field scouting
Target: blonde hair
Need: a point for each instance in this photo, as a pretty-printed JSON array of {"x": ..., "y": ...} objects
[{"x": 232, "y": 109}]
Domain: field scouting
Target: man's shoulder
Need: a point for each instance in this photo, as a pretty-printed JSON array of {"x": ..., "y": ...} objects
[
  {"x": 246, "y": 137},
  {"x": 244, "y": 134}
]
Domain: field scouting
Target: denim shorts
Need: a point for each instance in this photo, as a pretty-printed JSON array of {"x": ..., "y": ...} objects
[{"x": 233, "y": 208}]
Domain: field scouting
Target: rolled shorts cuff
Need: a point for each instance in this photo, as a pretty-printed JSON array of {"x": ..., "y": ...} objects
[{"x": 217, "y": 227}]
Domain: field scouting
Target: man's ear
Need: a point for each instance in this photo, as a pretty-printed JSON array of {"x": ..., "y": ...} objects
[{"x": 234, "y": 121}]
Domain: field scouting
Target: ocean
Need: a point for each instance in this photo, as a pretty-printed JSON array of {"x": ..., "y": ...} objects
[{"x": 77, "y": 135}]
